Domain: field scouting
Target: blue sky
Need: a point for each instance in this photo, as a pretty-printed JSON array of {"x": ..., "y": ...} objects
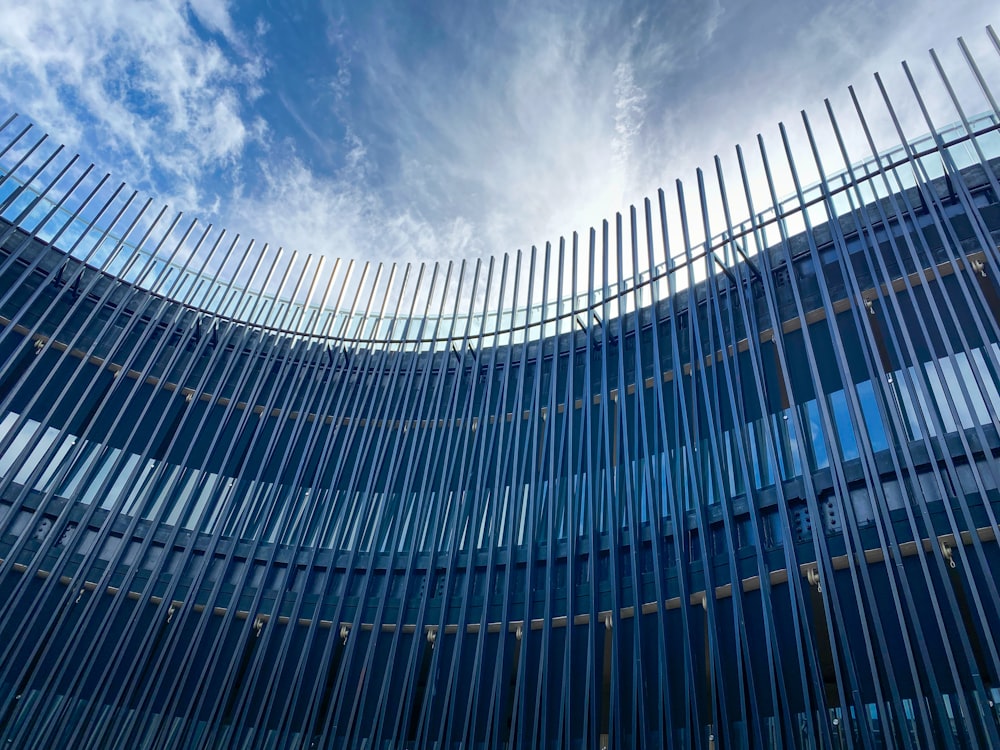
[{"x": 419, "y": 130}]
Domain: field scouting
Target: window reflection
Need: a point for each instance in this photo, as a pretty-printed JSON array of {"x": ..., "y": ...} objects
[{"x": 196, "y": 499}]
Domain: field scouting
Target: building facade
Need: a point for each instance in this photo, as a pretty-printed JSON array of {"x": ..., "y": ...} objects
[{"x": 682, "y": 483}]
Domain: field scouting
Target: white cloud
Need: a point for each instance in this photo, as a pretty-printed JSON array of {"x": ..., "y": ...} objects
[
  {"x": 529, "y": 138},
  {"x": 338, "y": 215},
  {"x": 214, "y": 14},
  {"x": 629, "y": 111},
  {"x": 136, "y": 84}
]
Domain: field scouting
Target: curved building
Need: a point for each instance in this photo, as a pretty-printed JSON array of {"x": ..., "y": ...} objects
[{"x": 641, "y": 488}]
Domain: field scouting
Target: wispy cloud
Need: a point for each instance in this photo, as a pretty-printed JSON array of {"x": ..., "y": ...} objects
[
  {"x": 524, "y": 125},
  {"x": 629, "y": 111},
  {"x": 135, "y": 84}
]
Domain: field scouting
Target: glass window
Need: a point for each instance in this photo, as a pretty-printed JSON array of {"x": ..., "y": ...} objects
[
  {"x": 947, "y": 414},
  {"x": 212, "y": 488},
  {"x": 444, "y": 538},
  {"x": 427, "y": 516},
  {"x": 55, "y": 464},
  {"x": 789, "y": 457},
  {"x": 989, "y": 382},
  {"x": 734, "y": 463},
  {"x": 524, "y": 515},
  {"x": 817, "y": 441},
  {"x": 911, "y": 403},
  {"x": 105, "y": 464},
  {"x": 660, "y": 495},
  {"x": 141, "y": 484},
  {"x": 37, "y": 454},
  {"x": 979, "y": 413},
  {"x": 7, "y": 423},
  {"x": 149, "y": 509},
  {"x": 354, "y": 522},
  {"x": 503, "y": 517},
  {"x": 182, "y": 497},
  {"x": 482, "y": 524},
  {"x": 19, "y": 442},
  {"x": 122, "y": 483},
  {"x": 870, "y": 413},
  {"x": 844, "y": 425},
  {"x": 763, "y": 471},
  {"x": 404, "y": 534}
]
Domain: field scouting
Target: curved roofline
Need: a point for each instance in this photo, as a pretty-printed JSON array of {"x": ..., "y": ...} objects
[{"x": 295, "y": 297}]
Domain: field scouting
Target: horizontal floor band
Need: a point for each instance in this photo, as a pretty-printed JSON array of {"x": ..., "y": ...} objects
[{"x": 945, "y": 542}]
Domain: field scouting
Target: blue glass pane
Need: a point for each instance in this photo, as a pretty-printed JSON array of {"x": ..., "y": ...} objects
[
  {"x": 845, "y": 428},
  {"x": 873, "y": 420},
  {"x": 819, "y": 456}
]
